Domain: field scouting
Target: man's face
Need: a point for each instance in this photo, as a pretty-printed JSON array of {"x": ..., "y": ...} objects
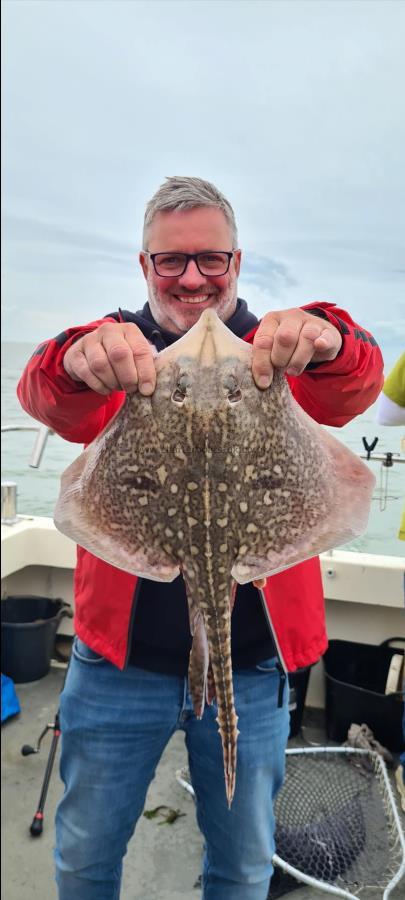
[{"x": 177, "y": 302}]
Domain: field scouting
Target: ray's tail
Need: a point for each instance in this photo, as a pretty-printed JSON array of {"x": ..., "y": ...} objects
[
  {"x": 210, "y": 665},
  {"x": 219, "y": 642}
]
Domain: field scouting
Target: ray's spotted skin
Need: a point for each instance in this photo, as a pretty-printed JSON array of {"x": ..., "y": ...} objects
[{"x": 216, "y": 479}]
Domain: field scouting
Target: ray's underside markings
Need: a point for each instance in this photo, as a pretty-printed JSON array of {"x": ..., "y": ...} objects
[{"x": 217, "y": 480}]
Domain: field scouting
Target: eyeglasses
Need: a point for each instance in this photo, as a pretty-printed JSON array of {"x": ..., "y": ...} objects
[{"x": 172, "y": 265}]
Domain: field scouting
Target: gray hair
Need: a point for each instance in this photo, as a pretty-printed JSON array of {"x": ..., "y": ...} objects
[{"x": 179, "y": 192}]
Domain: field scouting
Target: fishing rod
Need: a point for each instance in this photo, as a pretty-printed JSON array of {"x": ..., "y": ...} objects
[
  {"x": 37, "y": 823},
  {"x": 36, "y": 826}
]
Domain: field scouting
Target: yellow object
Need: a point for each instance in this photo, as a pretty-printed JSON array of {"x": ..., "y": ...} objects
[
  {"x": 394, "y": 384},
  {"x": 401, "y": 532},
  {"x": 391, "y": 411}
]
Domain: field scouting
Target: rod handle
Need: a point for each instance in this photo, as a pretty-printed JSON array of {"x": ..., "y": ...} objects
[{"x": 37, "y": 824}]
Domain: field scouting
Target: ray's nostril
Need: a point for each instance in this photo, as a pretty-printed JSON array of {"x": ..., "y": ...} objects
[
  {"x": 180, "y": 391},
  {"x": 235, "y": 396},
  {"x": 231, "y": 384},
  {"x": 178, "y": 396}
]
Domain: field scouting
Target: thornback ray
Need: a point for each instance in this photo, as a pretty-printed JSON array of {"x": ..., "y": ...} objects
[{"x": 218, "y": 480}]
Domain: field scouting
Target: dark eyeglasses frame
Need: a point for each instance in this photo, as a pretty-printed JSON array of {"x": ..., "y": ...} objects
[{"x": 188, "y": 256}]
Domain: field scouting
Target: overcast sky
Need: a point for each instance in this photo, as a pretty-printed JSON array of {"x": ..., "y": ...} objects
[{"x": 294, "y": 109}]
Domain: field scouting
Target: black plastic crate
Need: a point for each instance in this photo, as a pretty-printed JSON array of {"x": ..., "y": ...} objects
[{"x": 356, "y": 676}]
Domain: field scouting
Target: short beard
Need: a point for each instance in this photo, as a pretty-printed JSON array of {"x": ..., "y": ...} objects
[{"x": 228, "y": 301}]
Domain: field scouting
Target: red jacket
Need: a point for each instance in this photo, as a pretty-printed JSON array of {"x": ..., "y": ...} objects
[{"x": 332, "y": 393}]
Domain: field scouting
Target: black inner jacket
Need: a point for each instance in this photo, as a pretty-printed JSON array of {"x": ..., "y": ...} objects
[{"x": 160, "y": 639}]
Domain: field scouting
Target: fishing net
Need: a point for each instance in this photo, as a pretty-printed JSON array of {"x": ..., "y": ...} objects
[{"x": 338, "y": 828}]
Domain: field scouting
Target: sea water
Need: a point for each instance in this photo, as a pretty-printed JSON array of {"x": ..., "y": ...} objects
[{"x": 37, "y": 489}]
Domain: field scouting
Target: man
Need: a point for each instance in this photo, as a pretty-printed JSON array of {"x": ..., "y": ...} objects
[{"x": 126, "y": 690}]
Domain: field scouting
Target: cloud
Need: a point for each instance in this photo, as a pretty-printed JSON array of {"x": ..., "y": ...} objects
[
  {"x": 392, "y": 328},
  {"x": 294, "y": 116},
  {"x": 18, "y": 228},
  {"x": 265, "y": 270},
  {"x": 36, "y": 245}
]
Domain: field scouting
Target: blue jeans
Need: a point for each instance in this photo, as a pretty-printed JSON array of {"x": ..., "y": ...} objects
[{"x": 115, "y": 727}]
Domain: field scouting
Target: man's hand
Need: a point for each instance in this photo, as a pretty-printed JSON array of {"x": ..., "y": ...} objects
[
  {"x": 289, "y": 340},
  {"x": 114, "y": 357}
]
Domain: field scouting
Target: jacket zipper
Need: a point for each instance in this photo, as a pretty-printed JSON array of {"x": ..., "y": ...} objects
[
  {"x": 283, "y": 673},
  {"x": 280, "y": 663},
  {"x": 131, "y": 622}
]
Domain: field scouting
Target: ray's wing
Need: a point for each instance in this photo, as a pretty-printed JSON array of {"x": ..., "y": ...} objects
[
  {"x": 109, "y": 501},
  {"x": 317, "y": 496}
]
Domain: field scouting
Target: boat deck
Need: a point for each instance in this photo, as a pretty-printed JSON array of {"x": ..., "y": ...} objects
[{"x": 163, "y": 862}]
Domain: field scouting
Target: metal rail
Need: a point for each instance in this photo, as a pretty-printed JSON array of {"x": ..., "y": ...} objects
[
  {"x": 9, "y": 488},
  {"x": 43, "y": 433},
  {"x": 19, "y": 427},
  {"x": 388, "y": 459}
]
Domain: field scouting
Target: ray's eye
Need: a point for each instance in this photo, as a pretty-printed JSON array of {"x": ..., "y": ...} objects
[{"x": 140, "y": 482}]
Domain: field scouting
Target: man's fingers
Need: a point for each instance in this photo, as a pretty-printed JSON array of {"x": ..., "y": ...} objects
[
  {"x": 327, "y": 344},
  {"x": 304, "y": 349},
  {"x": 289, "y": 340},
  {"x": 285, "y": 342},
  {"x": 315, "y": 345},
  {"x": 143, "y": 355},
  {"x": 262, "y": 369},
  {"x": 100, "y": 366},
  {"x": 120, "y": 362},
  {"x": 326, "y": 338},
  {"x": 77, "y": 366},
  {"x": 132, "y": 360},
  {"x": 114, "y": 357}
]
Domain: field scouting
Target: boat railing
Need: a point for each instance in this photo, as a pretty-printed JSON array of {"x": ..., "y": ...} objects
[{"x": 9, "y": 488}]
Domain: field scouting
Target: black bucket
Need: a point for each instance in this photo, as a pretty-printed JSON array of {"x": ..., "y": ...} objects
[
  {"x": 356, "y": 677},
  {"x": 28, "y": 629}
]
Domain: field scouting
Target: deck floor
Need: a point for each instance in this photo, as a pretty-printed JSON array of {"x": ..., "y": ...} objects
[{"x": 163, "y": 863}]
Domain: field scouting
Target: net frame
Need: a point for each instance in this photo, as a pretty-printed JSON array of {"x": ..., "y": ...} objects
[
  {"x": 396, "y": 834},
  {"x": 379, "y": 771}
]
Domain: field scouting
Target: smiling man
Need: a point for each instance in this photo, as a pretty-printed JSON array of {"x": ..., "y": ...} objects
[
  {"x": 179, "y": 288},
  {"x": 126, "y": 691}
]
